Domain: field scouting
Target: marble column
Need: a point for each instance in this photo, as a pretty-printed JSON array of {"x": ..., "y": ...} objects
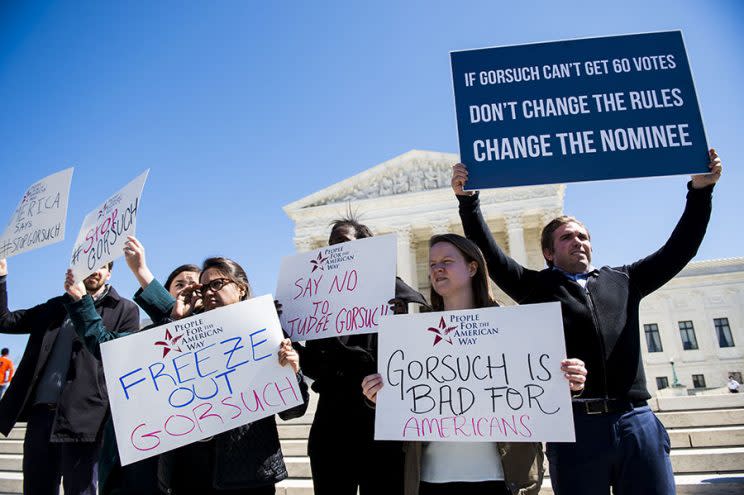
[
  {"x": 406, "y": 255},
  {"x": 515, "y": 237}
]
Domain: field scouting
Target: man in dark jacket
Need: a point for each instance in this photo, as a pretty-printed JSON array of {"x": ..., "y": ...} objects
[
  {"x": 619, "y": 441},
  {"x": 59, "y": 388}
]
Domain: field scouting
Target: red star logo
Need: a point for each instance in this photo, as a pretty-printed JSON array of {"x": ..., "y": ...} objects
[
  {"x": 170, "y": 343},
  {"x": 318, "y": 262},
  {"x": 442, "y": 332}
]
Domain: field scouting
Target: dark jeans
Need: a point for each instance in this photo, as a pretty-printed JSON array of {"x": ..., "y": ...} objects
[
  {"x": 463, "y": 488},
  {"x": 628, "y": 451},
  {"x": 45, "y": 462}
]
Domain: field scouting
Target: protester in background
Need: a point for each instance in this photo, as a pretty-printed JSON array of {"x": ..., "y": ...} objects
[
  {"x": 619, "y": 441},
  {"x": 58, "y": 388},
  {"x": 459, "y": 281},
  {"x": 343, "y": 454},
  {"x": 733, "y": 385},
  {"x": 6, "y": 370},
  {"x": 246, "y": 460}
]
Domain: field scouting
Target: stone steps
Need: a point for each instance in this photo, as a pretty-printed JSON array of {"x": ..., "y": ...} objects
[
  {"x": 11, "y": 482},
  {"x": 710, "y": 460},
  {"x": 722, "y": 436},
  {"x": 702, "y": 418}
]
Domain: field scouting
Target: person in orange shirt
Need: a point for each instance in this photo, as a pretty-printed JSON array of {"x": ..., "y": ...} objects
[{"x": 6, "y": 370}]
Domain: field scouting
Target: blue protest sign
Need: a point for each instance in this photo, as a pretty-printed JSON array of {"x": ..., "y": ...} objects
[{"x": 578, "y": 110}]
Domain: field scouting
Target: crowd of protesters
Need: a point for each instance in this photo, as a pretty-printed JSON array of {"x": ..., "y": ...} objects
[{"x": 59, "y": 387}]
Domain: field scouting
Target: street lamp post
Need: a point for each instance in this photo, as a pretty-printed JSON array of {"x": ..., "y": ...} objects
[{"x": 675, "y": 380}]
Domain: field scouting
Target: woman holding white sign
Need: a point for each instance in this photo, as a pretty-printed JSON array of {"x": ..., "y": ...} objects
[
  {"x": 246, "y": 460},
  {"x": 459, "y": 280}
]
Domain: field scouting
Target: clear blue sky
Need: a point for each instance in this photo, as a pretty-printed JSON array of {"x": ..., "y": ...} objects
[{"x": 242, "y": 107}]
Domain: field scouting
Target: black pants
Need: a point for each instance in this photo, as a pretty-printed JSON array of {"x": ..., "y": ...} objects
[
  {"x": 193, "y": 466},
  {"x": 45, "y": 462},
  {"x": 343, "y": 455},
  {"x": 463, "y": 488}
]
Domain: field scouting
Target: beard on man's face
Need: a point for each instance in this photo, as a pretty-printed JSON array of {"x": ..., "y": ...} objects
[{"x": 93, "y": 283}]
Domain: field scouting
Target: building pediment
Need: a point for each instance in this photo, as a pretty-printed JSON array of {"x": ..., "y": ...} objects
[{"x": 411, "y": 172}]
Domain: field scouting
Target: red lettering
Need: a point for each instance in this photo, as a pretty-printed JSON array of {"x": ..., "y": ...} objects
[
  {"x": 478, "y": 426},
  {"x": 205, "y": 414},
  {"x": 290, "y": 386},
  {"x": 522, "y": 421},
  {"x": 348, "y": 282},
  {"x": 458, "y": 428},
  {"x": 193, "y": 425},
  {"x": 258, "y": 402},
  {"x": 152, "y": 434},
  {"x": 266, "y": 400},
  {"x": 224, "y": 402},
  {"x": 89, "y": 238}
]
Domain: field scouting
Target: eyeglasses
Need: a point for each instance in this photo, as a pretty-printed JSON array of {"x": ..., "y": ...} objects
[{"x": 215, "y": 285}]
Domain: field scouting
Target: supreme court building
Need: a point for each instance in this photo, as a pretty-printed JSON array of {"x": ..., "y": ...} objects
[{"x": 696, "y": 320}]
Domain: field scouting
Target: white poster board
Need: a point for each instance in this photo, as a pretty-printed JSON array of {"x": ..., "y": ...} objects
[
  {"x": 105, "y": 229},
  {"x": 337, "y": 290},
  {"x": 39, "y": 219},
  {"x": 194, "y": 378},
  {"x": 484, "y": 375}
]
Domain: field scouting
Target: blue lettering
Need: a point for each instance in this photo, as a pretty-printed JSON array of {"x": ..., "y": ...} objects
[
  {"x": 126, "y": 387},
  {"x": 198, "y": 368},
  {"x": 216, "y": 390},
  {"x": 161, "y": 372},
  {"x": 179, "y": 368},
  {"x": 256, "y": 344},
  {"x": 229, "y": 353},
  {"x": 185, "y": 389},
  {"x": 227, "y": 379}
]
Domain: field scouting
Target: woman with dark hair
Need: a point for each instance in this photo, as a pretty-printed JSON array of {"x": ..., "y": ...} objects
[
  {"x": 246, "y": 460},
  {"x": 459, "y": 280},
  {"x": 344, "y": 457}
]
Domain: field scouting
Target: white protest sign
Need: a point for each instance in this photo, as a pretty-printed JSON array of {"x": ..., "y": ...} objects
[
  {"x": 39, "y": 218},
  {"x": 483, "y": 375},
  {"x": 337, "y": 290},
  {"x": 105, "y": 229},
  {"x": 188, "y": 380}
]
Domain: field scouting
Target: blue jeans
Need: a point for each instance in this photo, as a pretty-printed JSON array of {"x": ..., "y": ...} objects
[{"x": 628, "y": 451}]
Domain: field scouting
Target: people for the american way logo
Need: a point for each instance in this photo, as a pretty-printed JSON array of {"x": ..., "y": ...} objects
[
  {"x": 319, "y": 262},
  {"x": 170, "y": 343},
  {"x": 442, "y": 332}
]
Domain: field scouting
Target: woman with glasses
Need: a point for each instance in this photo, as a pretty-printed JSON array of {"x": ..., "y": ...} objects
[
  {"x": 459, "y": 280},
  {"x": 246, "y": 460}
]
